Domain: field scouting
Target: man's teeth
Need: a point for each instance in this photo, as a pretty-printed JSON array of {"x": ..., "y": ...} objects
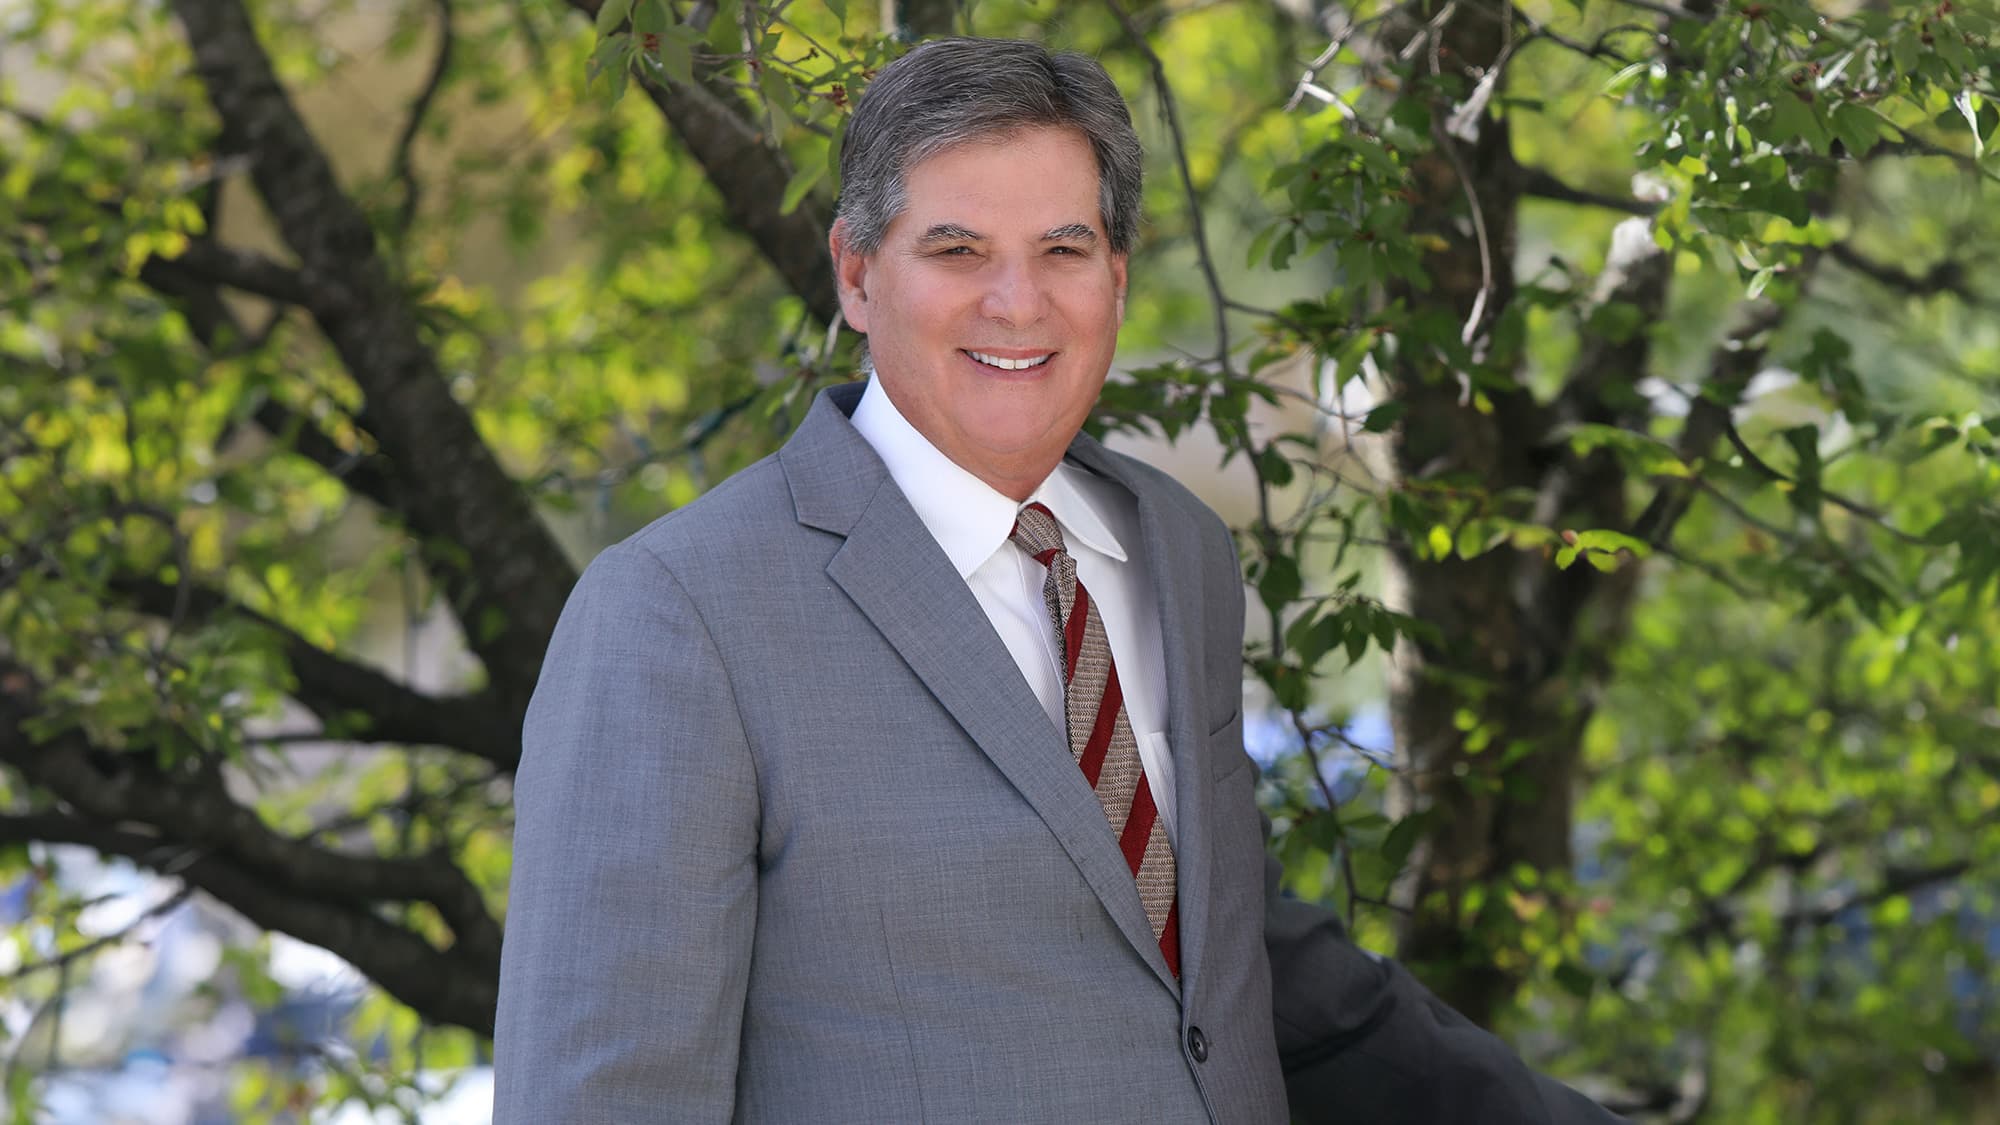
[{"x": 1009, "y": 364}]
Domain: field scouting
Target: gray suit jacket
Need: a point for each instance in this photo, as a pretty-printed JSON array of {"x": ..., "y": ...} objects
[{"x": 795, "y": 842}]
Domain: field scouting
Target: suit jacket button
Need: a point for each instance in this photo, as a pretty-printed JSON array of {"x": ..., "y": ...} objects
[{"x": 1197, "y": 1044}]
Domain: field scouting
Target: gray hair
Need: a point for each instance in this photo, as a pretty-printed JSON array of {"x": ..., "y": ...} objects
[{"x": 950, "y": 92}]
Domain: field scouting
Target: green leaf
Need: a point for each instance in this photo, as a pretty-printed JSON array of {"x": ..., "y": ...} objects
[
  {"x": 1260, "y": 244},
  {"x": 802, "y": 181},
  {"x": 833, "y": 147},
  {"x": 777, "y": 90},
  {"x": 1439, "y": 541},
  {"x": 1356, "y": 642},
  {"x": 651, "y": 17},
  {"x": 1284, "y": 247},
  {"x": 1623, "y": 81},
  {"x": 1384, "y": 416},
  {"x": 1858, "y": 128},
  {"x": 1604, "y": 539},
  {"x": 1904, "y": 52},
  {"x": 1280, "y": 584},
  {"x": 1383, "y": 628},
  {"x": 1273, "y": 467},
  {"x": 725, "y": 35},
  {"x": 1471, "y": 540},
  {"x": 1805, "y": 496},
  {"x": 1794, "y": 118},
  {"x": 676, "y": 53},
  {"x": 609, "y": 54},
  {"x": 1309, "y": 638},
  {"x": 1402, "y": 840},
  {"x": 612, "y": 14},
  {"x": 612, "y": 61},
  {"x": 1287, "y": 683}
]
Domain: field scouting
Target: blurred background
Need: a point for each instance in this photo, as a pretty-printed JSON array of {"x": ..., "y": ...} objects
[{"x": 1601, "y": 393}]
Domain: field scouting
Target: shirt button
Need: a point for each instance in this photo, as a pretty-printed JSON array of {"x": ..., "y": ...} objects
[{"x": 1197, "y": 1044}]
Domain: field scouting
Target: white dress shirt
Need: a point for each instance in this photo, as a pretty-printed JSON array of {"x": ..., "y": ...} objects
[{"x": 972, "y": 521}]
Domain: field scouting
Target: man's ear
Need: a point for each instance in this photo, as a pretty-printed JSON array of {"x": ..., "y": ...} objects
[
  {"x": 850, "y": 276},
  {"x": 1118, "y": 280}
]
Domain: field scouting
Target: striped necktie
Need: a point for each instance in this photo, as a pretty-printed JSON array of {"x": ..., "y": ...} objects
[{"x": 1100, "y": 734}]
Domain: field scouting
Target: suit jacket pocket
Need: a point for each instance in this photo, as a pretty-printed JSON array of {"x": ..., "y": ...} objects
[
  {"x": 1225, "y": 748},
  {"x": 1235, "y": 829}
]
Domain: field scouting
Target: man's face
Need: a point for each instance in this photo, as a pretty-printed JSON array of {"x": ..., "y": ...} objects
[{"x": 992, "y": 305}]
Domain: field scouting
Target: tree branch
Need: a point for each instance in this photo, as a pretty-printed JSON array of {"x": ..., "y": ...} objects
[
  {"x": 1595, "y": 49},
  {"x": 1735, "y": 362},
  {"x": 192, "y": 280},
  {"x": 750, "y": 175},
  {"x": 1217, "y": 300},
  {"x": 1895, "y": 881},
  {"x": 442, "y": 985},
  {"x": 212, "y": 263},
  {"x": 1718, "y": 921},
  {"x": 191, "y": 806},
  {"x": 72, "y": 956},
  {"x": 1542, "y": 184},
  {"x": 500, "y": 569},
  {"x": 365, "y": 474},
  {"x": 1947, "y": 276},
  {"x": 1763, "y": 468},
  {"x": 336, "y": 689},
  {"x": 399, "y": 165}
]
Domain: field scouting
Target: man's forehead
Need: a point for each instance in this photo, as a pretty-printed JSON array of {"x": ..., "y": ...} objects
[{"x": 932, "y": 212}]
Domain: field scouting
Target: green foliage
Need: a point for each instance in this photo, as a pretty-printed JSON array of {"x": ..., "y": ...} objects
[{"x": 1616, "y": 419}]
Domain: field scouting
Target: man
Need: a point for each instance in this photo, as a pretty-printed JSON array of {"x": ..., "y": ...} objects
[{"x": 900, "y": 778}]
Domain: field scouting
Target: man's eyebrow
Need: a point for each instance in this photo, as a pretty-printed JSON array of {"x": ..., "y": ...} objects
[
  {"x": 1071, "y": 232},
  {"x": 947, "y": 232}
]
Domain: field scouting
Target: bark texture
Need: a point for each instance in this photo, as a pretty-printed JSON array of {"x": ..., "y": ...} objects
[{"x": 1517, "y": 655}]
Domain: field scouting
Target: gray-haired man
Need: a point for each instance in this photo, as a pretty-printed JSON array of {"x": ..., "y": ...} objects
[{"x": 900, "y": 778}]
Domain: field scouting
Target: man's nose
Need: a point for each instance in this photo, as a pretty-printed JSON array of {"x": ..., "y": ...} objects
[{"x": 1014, "y": 294}]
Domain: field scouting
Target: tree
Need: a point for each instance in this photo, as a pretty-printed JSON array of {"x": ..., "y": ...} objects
[{"x": 1541, "y": 426}]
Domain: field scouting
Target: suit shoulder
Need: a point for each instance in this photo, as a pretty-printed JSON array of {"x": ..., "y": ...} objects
[
  {"x": 747, "y": 512},
  {"x": 744, "y": 530}
]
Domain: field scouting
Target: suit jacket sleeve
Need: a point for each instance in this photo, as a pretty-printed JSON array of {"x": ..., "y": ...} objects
[
  {"x": 633, "y": 897},
  {"x": 1359, "y": 1038}
]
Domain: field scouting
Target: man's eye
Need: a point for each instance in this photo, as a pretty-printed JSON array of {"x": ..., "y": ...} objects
[
  {"x": 1066, "y": 251},
  {"x": 954, "y": 251}
]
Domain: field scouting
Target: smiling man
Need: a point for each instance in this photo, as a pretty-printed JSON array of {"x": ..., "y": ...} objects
[
  {"x": 991, "y": 302},
  {"x": 900, "y": 778}
]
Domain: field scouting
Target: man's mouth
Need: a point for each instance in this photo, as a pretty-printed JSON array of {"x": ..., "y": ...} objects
[{"x": 1006, "y": 364}]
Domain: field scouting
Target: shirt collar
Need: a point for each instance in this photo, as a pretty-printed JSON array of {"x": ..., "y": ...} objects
[{"x": 967, "y": 517}]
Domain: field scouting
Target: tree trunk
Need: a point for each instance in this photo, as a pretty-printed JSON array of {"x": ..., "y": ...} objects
[{"x": 1490, "y": 723}]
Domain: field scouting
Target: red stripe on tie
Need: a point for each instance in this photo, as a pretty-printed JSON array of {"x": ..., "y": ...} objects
[
  {"x": 1073, "y": 632},
  {"x": 1138, "y": 826},
  {"x": 1170, "y": 938},
  {"x": 1095, "y": 750}
]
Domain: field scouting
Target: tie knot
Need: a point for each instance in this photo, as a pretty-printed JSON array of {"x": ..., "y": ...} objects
[{"x": 1035, "y": 531}]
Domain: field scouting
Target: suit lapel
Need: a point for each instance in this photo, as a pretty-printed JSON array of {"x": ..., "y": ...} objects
[
  {"x": 1172, "y": 555},
  {"x": 902, "y": 581}
]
